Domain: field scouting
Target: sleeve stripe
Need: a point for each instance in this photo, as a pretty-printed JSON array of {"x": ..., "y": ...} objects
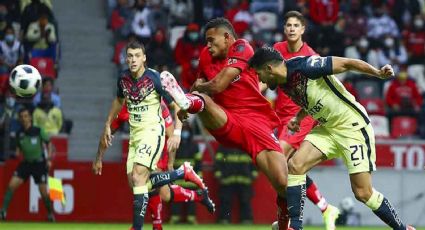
[{"x": 348, "y": 102}]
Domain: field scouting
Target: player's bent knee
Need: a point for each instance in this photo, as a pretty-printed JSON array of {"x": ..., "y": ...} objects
[
  {"x": 296, "y": 167},
  {"x": 362, "y": 195}
]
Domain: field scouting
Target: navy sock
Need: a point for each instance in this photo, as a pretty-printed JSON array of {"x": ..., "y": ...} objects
[
  {"x": 388, "y": 214},
  {"x": 160, "y": 179},
  {"x": 296, "y": 200},
  {"x": 139, "y": 210}
]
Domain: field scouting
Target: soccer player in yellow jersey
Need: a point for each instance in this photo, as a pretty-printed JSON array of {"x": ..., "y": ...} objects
[
  {"x": 140, "y": 88},
  {"x": 344, "y": 130}
]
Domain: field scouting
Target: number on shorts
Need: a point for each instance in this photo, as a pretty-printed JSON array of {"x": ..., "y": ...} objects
[
  {"x": 353, "y": 153},
  {"x": 145, "y": 149}
]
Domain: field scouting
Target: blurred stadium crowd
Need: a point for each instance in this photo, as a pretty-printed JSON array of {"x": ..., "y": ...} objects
[
  {"x": 29, "y": 35},
  {"x": 379, "y": 32}
]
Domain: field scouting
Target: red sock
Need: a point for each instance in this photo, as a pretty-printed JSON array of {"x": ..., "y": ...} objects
[
  {"x": 155, "y": 208},
  {"x": 197, "y": 103},
  {"x": 184, "y": 195},
  {"x": 282, "y": 213},
  {"x": 315, "y": 196}
]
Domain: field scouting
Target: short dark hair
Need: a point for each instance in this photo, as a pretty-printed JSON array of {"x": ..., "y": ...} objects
[
  {"x": 295, "y": 14},
  {"x": 263, "y": 56},
  {"x": 23, "y": 109},
  {"x": 221, "y": 23},
  {"x": 135, "y": 45}
]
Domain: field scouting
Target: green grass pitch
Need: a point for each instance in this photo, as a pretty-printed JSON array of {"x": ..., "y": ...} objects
[{"x": 99, "y": 226}]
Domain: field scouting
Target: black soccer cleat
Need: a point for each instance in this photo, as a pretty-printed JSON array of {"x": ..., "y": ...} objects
[
  {"x": 206, "y": 200},
  {"x": 51, "y": 217},
  {"x": 2, "y": 214}
]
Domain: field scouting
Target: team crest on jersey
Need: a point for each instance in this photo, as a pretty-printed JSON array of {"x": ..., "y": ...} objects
[
  {"x": 296, "y": 89},
  {"x": 240, "y": 48},
  {"x": 136, "y": 91}
]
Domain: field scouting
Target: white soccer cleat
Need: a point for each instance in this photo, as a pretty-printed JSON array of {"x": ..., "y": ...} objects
[
  {"x": 170, "y": 85},
  {"x": 329, "y": 216},
  {"x": 275, "y": 226}
]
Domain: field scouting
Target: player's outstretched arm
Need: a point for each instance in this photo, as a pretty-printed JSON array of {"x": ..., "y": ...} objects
[
  {"x": 219, "y": 83},
  {"x": 101, "y": 149},
  {"x": 340, "y": 65}
]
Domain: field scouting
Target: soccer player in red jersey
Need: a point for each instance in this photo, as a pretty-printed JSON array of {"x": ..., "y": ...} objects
[
  {"x": 286, "y": 109},
  {"x": 170, "y": 193},
  {"x": 228, "y": 100}
]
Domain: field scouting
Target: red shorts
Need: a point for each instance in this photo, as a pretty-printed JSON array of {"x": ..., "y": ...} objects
[
  {"x": 295, "y": 139},
  {"x": 247, "y": 133}
]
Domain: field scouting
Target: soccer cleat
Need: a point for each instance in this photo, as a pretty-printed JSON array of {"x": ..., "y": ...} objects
[
  {"x": 206, "y": 200},
  {"x": 51, "y": 217},
  {"x": 275, "y": 226},
  {"x": 170, "y": 85},
  {"x": 410, "y": 227},
  {"x": 190, "y": 175},
  {"x": 3, "y": 215},
  {"x": 329, "y": 217}
]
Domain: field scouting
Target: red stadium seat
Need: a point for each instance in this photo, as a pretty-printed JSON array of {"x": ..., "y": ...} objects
[
  {"x": 403, "y": 126},
  {"x": 373, "y": 105},
  {"x": 4, "y": 83},
  {"x": 44, "y": 65}
]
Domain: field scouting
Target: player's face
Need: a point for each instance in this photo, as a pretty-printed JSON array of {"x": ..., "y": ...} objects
[
  {"x": 266, "y": 75},
  {"x": 25, "y": 118},
  {"x": 135, "y": 59},
  {"x": 217, "y": 42},
  {"x": 293, "y": 29}
]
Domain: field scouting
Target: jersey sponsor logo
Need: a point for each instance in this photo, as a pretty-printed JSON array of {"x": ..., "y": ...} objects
[{"x": 316, "y": 108}]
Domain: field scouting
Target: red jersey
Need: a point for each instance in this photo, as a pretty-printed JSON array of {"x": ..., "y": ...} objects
[
  {"x": 242, "y": 96},
  {"x": 123, "y": 116},
  {"x": 284, "y": 106}
]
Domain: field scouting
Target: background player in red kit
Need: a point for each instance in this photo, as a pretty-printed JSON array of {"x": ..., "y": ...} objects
[
  {"x": 286, "y": 109},
  {"x": 168, "y": 193},
  {"x": 235, "y": 113}
]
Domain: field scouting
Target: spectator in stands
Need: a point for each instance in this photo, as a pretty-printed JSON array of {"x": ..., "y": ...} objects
[
  {"x": 403, "y": 11},
  {"x": 141, "y": 25},
  {"x": 355, "y": 22},
  {"x": 240, "y": 17},
  {"x": 11, "y": 51},
  {"x": 414, "y": 38},
  {"x": 380, "y": 25},
  {"x": 33, "y": 12},
  {"x": 3, "y": 20},
  {"x": 47, "y": 116},
  {"x": 41, "y": 33},
  {"x": 9, "y": 125},
  {"x": 324, "y": 13},
  {"x": 265, "y": 5},
  {"x": 393, "y": 52},
  {"x": 403, "y": 96},
  {"x": 121, "y": 18},
  {"x": 181, "y": 12},
  {"x": 236, "y": 174},
  {"x": 186, "y": 54},
  {"x": 159, "y": 52},
  {"x": 48, "y": 91},
  {"x": 159, "y": 14},
  {"x": 360, "y": 50}
]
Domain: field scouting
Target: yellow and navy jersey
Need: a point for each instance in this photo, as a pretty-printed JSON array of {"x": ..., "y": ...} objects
[
  {"x": 143, "y": 99},
  {"x": 311, "y": 85}
]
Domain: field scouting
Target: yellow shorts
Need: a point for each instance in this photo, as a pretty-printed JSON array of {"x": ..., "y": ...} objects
[
  {"x": 147, "y": 151},
  {"x": 356, "y": 147}
]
